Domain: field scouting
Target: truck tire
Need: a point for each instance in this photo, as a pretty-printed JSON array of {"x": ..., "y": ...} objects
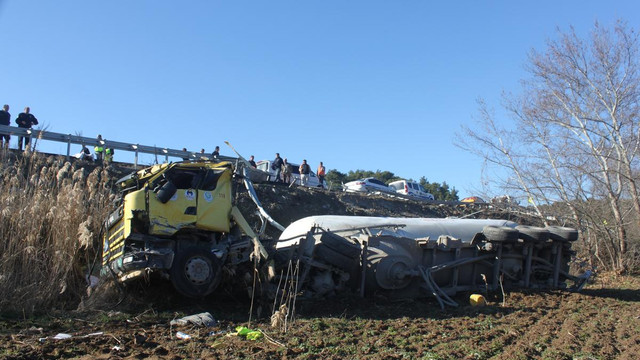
[
  {"x": 196, "y": 272},
  {"x": 500, "y": 233},
  {"x": 533, "y": 233},
  {"x": 334, "y": 258},
  {"x": 344, "y": 246},
  {"x": 561, "y": 233}
]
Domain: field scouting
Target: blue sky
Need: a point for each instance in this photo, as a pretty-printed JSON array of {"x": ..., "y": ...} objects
[{"x": 356, "y": 84}]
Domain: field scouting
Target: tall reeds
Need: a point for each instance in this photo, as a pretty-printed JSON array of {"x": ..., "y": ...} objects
[{"x": 52, "y": 213}]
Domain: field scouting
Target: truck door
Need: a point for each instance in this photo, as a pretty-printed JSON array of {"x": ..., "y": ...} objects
[
  {"x": 214, "y": 200},
  {"x": 169, "y": 214}
]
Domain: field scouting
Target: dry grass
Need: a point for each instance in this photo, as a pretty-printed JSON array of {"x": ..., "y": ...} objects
[{"x": 52, "y": 213}]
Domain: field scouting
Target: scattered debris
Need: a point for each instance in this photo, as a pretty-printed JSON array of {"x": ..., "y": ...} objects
[
  {"x": 202, "y": 319},
  {"x": 248, "y": 333},
  {"x": 33, "y": 330},
  {"x": 183, "y": 336},
  {"x": 279, "y": 317},
  {"x": 63, "y": 336},
  {"x": 139, "y": 338},
  {"x": 477, "y": 300}
]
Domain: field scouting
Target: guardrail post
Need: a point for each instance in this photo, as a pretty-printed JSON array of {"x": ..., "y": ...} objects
[
  {"x": 135, "y": 159},
  {"x": 68, "y": 146},
  {"x": 30, "y": 139}
]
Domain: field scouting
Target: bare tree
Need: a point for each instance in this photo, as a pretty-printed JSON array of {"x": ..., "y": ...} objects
[{"x": 578, "y": 135}]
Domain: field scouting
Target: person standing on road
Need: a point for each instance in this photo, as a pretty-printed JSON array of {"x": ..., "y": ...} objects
[
  {"x": 286, "y": 171},
  {"x": 321, "y": 173},
  {"x": 5, "y": 119},
  {"x": 25, "y": 120},
  {"x": 304, "y": 169},
  {"x": 108, "y": 155},
  {"x": 276, "y": 165},
  {"x": 99, "y": 148},
  {"x": 252, "y": 162}
]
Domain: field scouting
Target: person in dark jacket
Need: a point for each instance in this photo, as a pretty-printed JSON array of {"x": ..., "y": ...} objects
[
  {"x": 252, "y": 162},
  {"x": 85, "y": 154},
  {"x": 304, "y": 170},
  {"x": 5, "y": 119},
  {"x": 25, "y": 120},
  {"x": 216, "y": 152},
  {"x": 276, "y": 165}
]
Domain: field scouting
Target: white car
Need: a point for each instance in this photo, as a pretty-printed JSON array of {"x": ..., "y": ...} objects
[
  {"x": 366, "y": 185},
  {"x": 412, "y": 189}
]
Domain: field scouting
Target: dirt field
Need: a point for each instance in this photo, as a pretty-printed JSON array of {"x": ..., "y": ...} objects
[{"x": 602, "y": 322}]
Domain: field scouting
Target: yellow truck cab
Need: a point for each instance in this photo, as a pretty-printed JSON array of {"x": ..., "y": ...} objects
[{"x": 176, "y": 220}]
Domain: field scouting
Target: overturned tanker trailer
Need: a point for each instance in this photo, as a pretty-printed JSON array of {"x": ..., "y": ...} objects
[
  {"x": 179, "y": 222},
  {"x": 413, "y": 257}
]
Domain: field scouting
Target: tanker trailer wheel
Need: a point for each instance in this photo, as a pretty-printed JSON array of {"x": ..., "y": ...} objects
[
  {"x": 342, "y": 245},
  {"x": 195, "y": 272},
  {"x": 500, "y": 233},
  {"x": 533, "y": 233},
  {"x": 561, "y": 233},
  {"x": 332, "y": 257}
]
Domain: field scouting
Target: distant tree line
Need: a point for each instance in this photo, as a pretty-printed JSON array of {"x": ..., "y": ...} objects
[{"x": 440, "y": 191}]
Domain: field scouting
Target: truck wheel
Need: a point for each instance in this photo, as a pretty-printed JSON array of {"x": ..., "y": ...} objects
[
  {"x": 533, "y": 233},
  {"x": 334, "y": 258},
  {"x": 500, "y": 233},
  {"x": 195, "y": 272},
  {"x": 342, "y": 245},
  {"x": 561, "y": 233}
]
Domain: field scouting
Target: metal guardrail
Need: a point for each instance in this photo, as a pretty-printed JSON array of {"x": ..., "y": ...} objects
[{"x": 116, "y": 145}]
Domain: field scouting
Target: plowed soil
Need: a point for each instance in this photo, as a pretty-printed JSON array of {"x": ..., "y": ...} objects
[{"x": 602, "y": 322}]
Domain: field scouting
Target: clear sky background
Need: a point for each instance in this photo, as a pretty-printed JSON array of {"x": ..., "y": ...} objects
[{"x": 356, "y": 84}]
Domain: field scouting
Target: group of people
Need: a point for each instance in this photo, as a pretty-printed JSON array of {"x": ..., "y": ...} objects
[
  {"x": 103, "y": 154},
  {"x": 24, "y": 120},
  {"x": 283, "y": 171}
]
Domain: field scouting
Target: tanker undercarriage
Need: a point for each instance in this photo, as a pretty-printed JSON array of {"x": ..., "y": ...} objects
[{"x": 408, "y": 258}]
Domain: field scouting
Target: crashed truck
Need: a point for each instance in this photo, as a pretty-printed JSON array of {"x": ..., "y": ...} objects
[{"x": 178, "y": 221}]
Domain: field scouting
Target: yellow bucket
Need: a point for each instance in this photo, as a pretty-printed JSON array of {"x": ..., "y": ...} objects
[{"x": 477, "y": 300}]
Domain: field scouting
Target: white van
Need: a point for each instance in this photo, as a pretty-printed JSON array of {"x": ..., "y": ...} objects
[
  {"x": 412, "y": 189},
  {"x": 265, "y": 165}
]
